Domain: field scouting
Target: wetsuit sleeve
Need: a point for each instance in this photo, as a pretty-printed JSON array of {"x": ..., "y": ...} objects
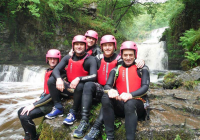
[
  {"x": 60, "y": 67},
  {"x": 111, "y": 80},
  {"x": 43, "y": 100},
  {"x": 90, "y": 65},
  {"x": 145, "y": 81}
]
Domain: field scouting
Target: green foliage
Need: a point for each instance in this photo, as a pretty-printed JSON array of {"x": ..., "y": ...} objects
[
  {"x": 117, "y": 123},
  {"x": 191, "y": 42},
  {"x": 192, "y": 57},
  {"x": 177, "y": 137}
]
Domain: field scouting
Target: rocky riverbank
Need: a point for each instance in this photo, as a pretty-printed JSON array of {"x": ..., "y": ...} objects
[{"x": 174, "y": 113}]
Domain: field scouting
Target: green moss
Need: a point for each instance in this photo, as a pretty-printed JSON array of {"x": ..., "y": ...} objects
[
  {"x": 189, "y": 85},
  {"x": 171, "y": 82},
  {"x": 49, "y": 133}
]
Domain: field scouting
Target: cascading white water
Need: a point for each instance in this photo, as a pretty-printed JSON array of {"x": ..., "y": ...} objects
[
  {"x": 10, "y": 73},
  {"x": 19, "y": 86},
  {"x": 154, "y": 53}
]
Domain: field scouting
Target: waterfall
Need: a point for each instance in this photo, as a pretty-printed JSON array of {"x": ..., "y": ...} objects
[
  {"x": 21, "y": 73},
  {"x": 153, "y": 52}
]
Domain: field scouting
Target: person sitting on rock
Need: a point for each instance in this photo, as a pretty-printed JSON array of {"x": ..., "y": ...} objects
[
  {"x": 127, "y": 86},
  {"x": 93, "y": 49},
  {"x": 95, "y": 89},
  {"x": 81, "y": 68},
  {"x": 44, "y": 104}
]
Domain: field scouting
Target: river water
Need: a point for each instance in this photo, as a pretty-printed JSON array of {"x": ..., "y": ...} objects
[{"x": 21, "y": 85}]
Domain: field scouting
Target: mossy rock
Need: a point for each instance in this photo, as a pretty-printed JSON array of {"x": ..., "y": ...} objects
[
  {"x": 171, "y": 82},
  {"x": 185, "y": 65}
]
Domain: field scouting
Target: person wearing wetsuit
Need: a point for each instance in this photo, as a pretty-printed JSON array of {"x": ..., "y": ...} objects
[
  {"x": 44, "y": 104},
  {"x": 93, "y": 90},
  {"x": 81, "y": 68},
  {"x": 127, "y": 97},
  {"x": 93, "y": 49}
]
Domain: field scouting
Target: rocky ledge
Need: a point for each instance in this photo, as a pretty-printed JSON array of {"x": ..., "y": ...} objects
[{"x": 174, "y": 114}]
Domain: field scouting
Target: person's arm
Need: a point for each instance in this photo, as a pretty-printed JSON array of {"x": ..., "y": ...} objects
[
  {"x": 112, "y": 93},
  {"x": 145, "y": 81},
  {"x": 43, "y": 100},
  {"x": 90, "y": 65},
  {"x": 111, "y": 79},
  {"x": 61, "y": 65}
]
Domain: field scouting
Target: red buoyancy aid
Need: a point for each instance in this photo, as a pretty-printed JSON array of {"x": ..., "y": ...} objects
[
  {"x": 128, "y": 80},
  {"x": 46, "y": 78},
  {"x": 75, "y": 69},
  {"x": 90, "y": 52},
  {"x": 104, "y": 71}
]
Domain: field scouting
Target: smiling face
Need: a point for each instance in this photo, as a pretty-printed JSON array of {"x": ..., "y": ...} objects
[
  {"x": 79, "y": 48},
  {"x": 91, "y": 41},
  {"x": 108, "y": 49},
  {"x": 128, "y": 57},
  {"x": 52, "y": 62}
]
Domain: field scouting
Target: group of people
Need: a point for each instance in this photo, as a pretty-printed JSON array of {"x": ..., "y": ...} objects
[{"x": 89, "y": 72}]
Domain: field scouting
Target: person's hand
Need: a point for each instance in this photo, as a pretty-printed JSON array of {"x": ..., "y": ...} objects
[
  {"x": 74, "y": 82},
  {"x": 27, "y": 109},
  {"x": 126, "y": 96},
  {"x": 71, "y": 52},
  {"x": 60, "y": 84},
  {"x": 113, "y": 93},
  {"x": 139, "y": 63},
  {"x": 118, "y": 98}
]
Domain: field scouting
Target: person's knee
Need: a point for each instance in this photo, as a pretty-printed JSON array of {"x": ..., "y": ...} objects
[
  {"x": 79, "y": 87},
  {"x": 130, "y": 106},
  {"x": 19, "y": 112},
  {"x": 23, "y": 118},
  {"x": 105, "y": 100},
  {"x": 51, "y": 81},
  {"x": 89, "y": 88}
]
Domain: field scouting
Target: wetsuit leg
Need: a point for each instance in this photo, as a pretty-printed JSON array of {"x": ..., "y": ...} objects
[
  {"x": 77, "y": 97},
  {"x": 55, "y": 93},
  {"x": 99, "y": 121},
  {"x": 27, "y": 121},
  {"x": 108, "y": 115},
  {"x": 132, "y": 109},
  {"x": 89, "y": 91}
]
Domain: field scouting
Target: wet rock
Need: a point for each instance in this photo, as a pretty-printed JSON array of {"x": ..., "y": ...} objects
[{"x": 191, "y": 75}]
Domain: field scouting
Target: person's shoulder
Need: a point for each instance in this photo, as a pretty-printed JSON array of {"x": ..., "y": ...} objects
[
  {"x": 67, "y": 56},
  {"x": 144, "y": 68}
]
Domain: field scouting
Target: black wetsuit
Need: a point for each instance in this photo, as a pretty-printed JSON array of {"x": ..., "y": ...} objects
[
  {"x": 94, "y": 90},
  {"x": 132, "y": 110},
  {"x": 42, "y": 107},
  {"x": 96, "y": 50},
  {"x": 89, "y": 65}
]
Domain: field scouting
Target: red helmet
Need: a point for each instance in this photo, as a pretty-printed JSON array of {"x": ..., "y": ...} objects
[
  {"x": 108, "y": 39},
  {"x": 129, "y": 45},
  {"x": 79, "y": 38},
  {"x": 92, "y": 33},
  {"x": 54, "y": 53}
]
